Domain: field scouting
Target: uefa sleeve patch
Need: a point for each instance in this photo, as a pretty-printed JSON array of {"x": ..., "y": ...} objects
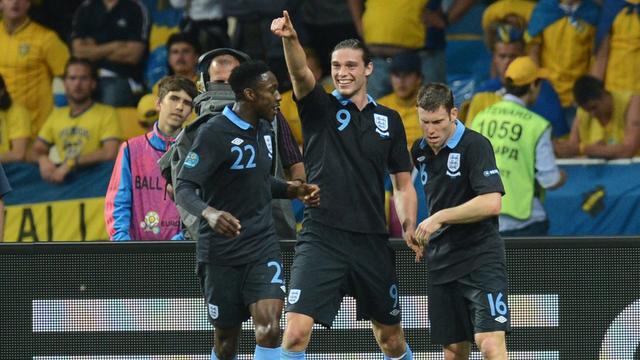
[{"x": 191, "y": 160}]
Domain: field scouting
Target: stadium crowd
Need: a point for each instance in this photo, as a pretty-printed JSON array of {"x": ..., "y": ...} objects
[{"x": 77, "y": 78}]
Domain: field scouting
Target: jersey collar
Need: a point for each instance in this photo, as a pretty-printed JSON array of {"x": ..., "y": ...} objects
[
  {"x": 234, "y": 118},
  {"x": 160, "y": 140},
  {"x": 344, "y": 101},
  {"x": 513, "y": 98},
  {"x": 457, "y": 135},
  {"x": 455, "y": 139}
]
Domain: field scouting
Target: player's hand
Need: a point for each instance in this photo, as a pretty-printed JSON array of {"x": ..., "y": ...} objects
[
  {"x": 222, "y": 222},
  {"x": 309, "y": 194},
  {"x": 410, "y": 239},
  {"x": 282, "y": 26},
  {"x": 424, "y": 231}
]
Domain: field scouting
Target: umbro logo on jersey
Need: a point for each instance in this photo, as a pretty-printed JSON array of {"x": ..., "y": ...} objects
[
  {"x": 421, "y": 158},
  {"x": 122, "y": 22},
  {"x": 237, "y": 141},
  {"x": 395, "y": 312},
  {"x": 501, "y": 319}
]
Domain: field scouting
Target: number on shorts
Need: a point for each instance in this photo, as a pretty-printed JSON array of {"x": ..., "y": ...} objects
[
  {"x": 497, "y": 305},
  {"x": 393, "y": 291},
  {"x": 276, "y": 277}
]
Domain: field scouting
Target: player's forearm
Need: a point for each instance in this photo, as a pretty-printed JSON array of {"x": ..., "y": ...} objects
[
  {"x": 296, "y": 172},
  {"x": 406, "y": 203},
  {"x": 477, "y": 209},
  {"x": 301, "y": 76}
]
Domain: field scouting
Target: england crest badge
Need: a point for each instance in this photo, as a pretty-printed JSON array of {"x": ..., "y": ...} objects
[
  {"x": 267, "y": 141},
  {"x": 382, "y": 124},
  {"x": 453, "y": 165}
]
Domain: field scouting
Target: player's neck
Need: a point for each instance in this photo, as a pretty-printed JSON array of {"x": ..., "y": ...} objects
[
  {"x": 360, "y": 98},
  {"x": 11, "y": 25},
  {"x": 246, "y": 113}
]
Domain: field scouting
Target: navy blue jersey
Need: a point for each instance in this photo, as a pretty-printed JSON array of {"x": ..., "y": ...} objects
[
  {"x": 463, "y": 169},
  {"x": 346, "y": 153},
  {"x": 230, "y": 162}
]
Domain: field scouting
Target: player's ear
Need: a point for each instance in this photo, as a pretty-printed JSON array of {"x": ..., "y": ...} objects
[
  {"x": 249, "y": 94},
  {"x": 454, "y": 113}
]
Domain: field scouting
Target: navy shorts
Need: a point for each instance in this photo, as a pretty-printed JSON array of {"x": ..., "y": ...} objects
[
  {"x": 474, "y": 303},
  {"x": 229, "y": 290},
  {"x": 330, "y": 263}
]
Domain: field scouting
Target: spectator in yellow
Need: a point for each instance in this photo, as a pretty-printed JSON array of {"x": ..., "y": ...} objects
[
  {"x": 387, "y": 31},
  {"x": 31, "y": 55},
  {"x": 607, "y": 124},
  {"x": 406, "y": 78},
  {"x": 182, "y": 56},
  {"x": 83, "y": 133},
  {"x": 618, "y": 45},
  {"x": 15, "y": 128},
  {"x": 506, "y": 43},
  {"x": 562, "y": 35}
]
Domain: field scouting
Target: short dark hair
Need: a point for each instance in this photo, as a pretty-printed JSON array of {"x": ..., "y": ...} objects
[
  {"x": 176, "y": 83},
  {"x": 434, "y": 95},
  {"x": 354, "y": 44},
  {"x": 246, "y": 75},
  {"x": 183, "y": 38},
  {"x": 5, "y": 99},
  {"x": 518, "y": 90},
  {"x": 93, "y": 72},
  {"x": 588, "y": 88}
]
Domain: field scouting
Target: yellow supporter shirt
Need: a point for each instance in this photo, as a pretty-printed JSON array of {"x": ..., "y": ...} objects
[
  {"x": 479, "y": 102},
  {"x": 31, "y": 57},
  {"x": 15, "y": 123},
  {"x": 397, "y": 25},
  {"x": 408, "y": 112},
  {"x": 591, "y": 130},
  {"x": 566, "y": 50},
  {"x": 623, "y": 66},
  {"x": 83, "y": 134}
]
